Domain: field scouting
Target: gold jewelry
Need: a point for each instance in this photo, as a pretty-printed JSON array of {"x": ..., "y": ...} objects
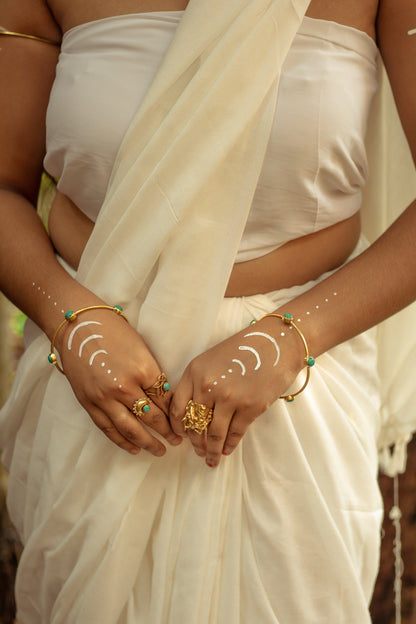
[
  {"x": 308, "y": 359},
  {"x": 160, "y": 387},
  {"x": 70, "y": 316},
  {"x": 140, "y": 407},
  {"x": 197, "y": 417},
  {"x": 24, "y": 36}
]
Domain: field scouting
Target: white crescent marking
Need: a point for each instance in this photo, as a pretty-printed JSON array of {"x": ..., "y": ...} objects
[
  {"x": 84, "y": 342},
  {"x": 254, "y": 352},
  {"x": 242, "y": 366},
  {"x": 72, "y": 334},
  {"x": 97, "y": 353},
  {"x": 272, "y": 340}
]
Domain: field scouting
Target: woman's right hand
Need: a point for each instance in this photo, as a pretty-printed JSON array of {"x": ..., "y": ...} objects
[{"x": 109, "y": 366}]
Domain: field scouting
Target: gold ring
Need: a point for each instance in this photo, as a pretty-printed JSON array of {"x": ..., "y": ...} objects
[
  {"x": 197, "y": 417},
  {"x": 160, "y": 387},
  {"x": 140, "y": 407}
]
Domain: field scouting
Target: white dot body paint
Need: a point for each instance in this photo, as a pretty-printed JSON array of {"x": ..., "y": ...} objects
[
  {"x": 84, "y": 342},
  {"x": 254, "y": 352},
  {"x": 92, "y": 358},
  {"x": 222, "y": 376},
  {"x": 243, "y": 368},
  {"x": 271, "y": 339},
  {"x": 412, "y": 32},
  {"x": 102, "y": 364},
  {"x": 230, "y": 370},
  {"x": 73, "y": 332}
]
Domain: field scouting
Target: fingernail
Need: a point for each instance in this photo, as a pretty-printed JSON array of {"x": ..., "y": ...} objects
[
  {"x": 160, "y": 452},
  {"x": 210, "y": 464},
  {"x": 200, "y": 453},
  {"x": 226, "y": 451},
  {"x": 134, "y": 451},
  {"x": 176, "y": 441}
]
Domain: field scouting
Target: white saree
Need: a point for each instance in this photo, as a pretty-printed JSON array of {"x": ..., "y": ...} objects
[{"x": 287, "y": 528}]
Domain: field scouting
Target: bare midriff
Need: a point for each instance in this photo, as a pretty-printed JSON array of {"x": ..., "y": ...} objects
[{"x": 296, "y": 262}]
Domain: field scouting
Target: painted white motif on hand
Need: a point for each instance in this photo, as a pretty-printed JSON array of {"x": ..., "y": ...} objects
[
  {"x": 84, "y": 342},
  {"x": 243, "y": 368},
  {"x": 412, "y": 32},
  {"x": 255, "y": 353},
  {"x": 272, "y": 340},
  {"x": 45, "y": 294},
  {"x": 92, "y": 358},
  {"x": 315, "y": 307},
  {"x": 73, "y": 332}
]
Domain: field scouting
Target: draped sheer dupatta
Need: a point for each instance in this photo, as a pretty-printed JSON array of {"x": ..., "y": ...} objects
[{"x": 183, "y": 182}]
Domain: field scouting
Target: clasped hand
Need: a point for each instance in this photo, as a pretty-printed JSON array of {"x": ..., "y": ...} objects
[{"x": 110, "y": 368}]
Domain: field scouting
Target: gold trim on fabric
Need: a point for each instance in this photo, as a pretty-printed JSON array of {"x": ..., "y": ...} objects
[{"x": 24, "y": 36}]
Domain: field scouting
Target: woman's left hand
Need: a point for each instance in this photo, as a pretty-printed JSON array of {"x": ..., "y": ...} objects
[{"x": 238, "y": 379}]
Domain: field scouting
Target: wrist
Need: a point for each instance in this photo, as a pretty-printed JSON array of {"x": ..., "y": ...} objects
[
  {"x": 71, "y": 324},
  {"x": 294, "y": 354}
]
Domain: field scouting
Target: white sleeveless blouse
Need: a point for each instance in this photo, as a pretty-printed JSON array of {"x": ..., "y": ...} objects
[{"x": 315, "y": 165}]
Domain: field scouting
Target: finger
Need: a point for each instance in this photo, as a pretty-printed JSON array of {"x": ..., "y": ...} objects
[
  {"x": 178, "y": 404},
  {"x": 159, "y": 391},
  {"x": 238, "y": 427},
  {"x": 153, "y": 418},
  {"x": 217, "y": 433},
  {"x": 132, "y": 430},
  {"x": 102, "y": 421}
]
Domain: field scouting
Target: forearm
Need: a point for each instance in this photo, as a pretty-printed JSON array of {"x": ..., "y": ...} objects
[
  {"x": 361, "y": 294},
  {"x": 30, "y": 275}
]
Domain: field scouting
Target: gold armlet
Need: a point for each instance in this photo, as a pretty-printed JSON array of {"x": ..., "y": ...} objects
[
  {"x": 24, "y": 36},
  {"x": 308, "y": 359},
  {"x": 70, "y": 316}
]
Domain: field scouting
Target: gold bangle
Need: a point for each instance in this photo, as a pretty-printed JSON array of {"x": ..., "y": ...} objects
[
  {"x": 70, "y": 316},
  {"x": 308, "y": 359},
  {"x": 24, "y": 36}
]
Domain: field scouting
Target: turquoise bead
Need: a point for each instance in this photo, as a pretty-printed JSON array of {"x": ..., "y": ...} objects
[
  {"x": 166, "y": 386},
  {"x": 146, "y": 408},
  {"x": 68, "y": 314},
  {"x": 310, "y": 361},
  {"x": 288, "y": 316},
  {"x": 118, "y": 307},
  {"x": 51, "y": 358}
]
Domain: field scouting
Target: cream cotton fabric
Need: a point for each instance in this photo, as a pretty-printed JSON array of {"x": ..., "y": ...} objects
[{"x": 286, "y": 529}]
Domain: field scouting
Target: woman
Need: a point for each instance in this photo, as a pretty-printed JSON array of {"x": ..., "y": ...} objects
[{"x": 293, "y": 504}]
